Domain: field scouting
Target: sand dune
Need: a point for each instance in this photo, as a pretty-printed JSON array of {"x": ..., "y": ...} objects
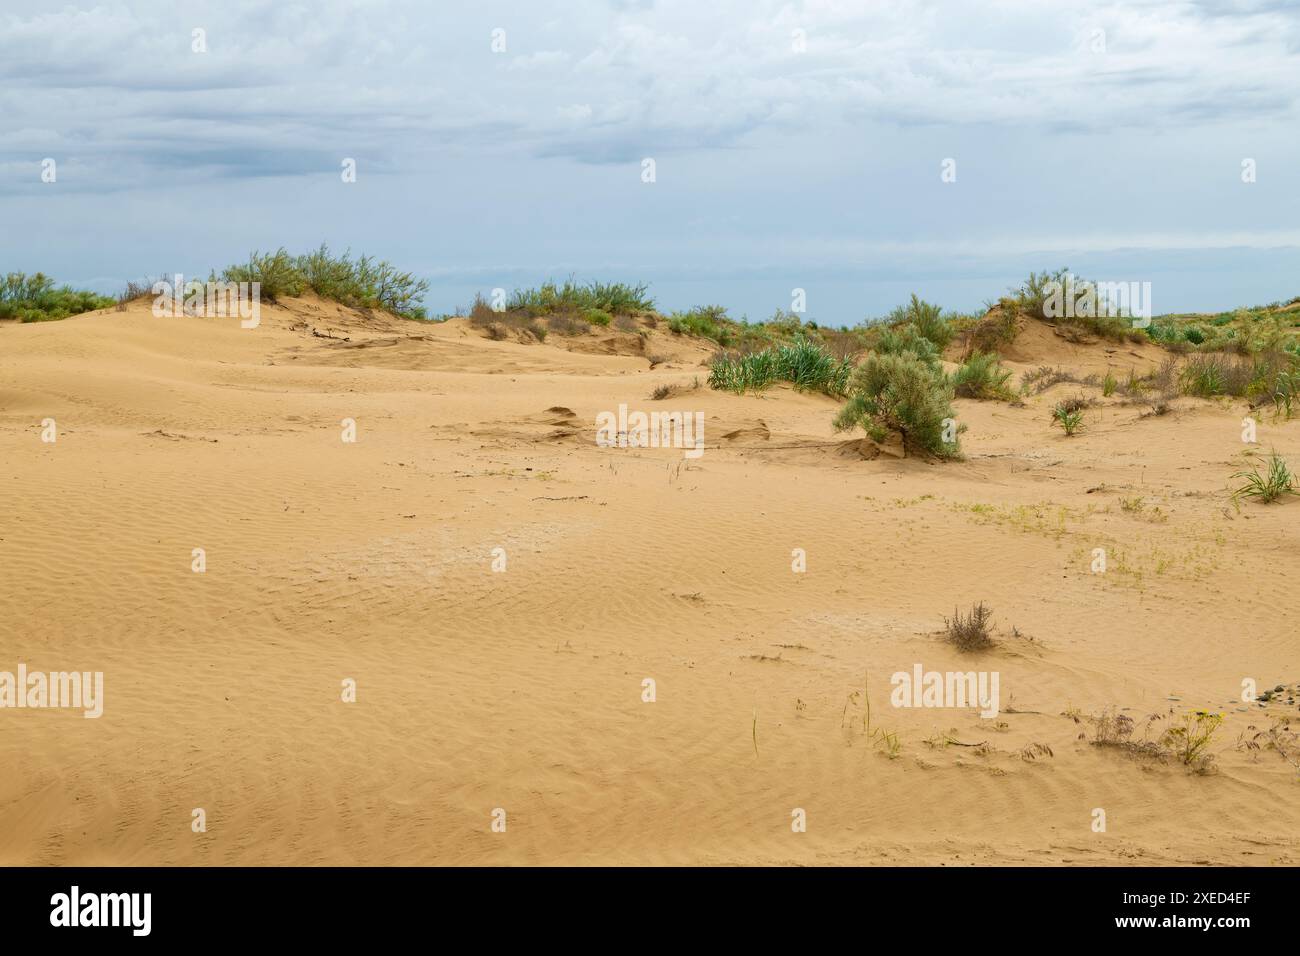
[{"x": 522, "y": 689}]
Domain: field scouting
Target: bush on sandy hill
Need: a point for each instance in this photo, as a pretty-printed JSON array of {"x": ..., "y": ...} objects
[
  {"x": 926, "y": 319},
  {"x": 903, "y": 394},
  {"x": 35, "y": 298},
  {"x": 1041, "y": 296},
  {"x": 363, "y": 282}
]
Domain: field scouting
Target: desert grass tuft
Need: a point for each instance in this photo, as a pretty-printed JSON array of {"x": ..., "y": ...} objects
[{"x": 972, "y": 631}]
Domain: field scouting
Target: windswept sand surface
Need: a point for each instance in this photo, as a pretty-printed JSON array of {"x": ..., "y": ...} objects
[{"x": 522, "y": 690}]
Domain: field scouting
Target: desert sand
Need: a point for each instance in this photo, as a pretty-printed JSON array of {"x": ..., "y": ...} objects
[{"x": 522, "y": 689}]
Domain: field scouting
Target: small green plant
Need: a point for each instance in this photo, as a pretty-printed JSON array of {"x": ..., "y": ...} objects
[
  {"x": 1109, "y": 384},
  {"x": 1069, "y": 418},
  {"x": 1269, "y": 485},
  {"x": 926, "y": 319},
  {"x": 364, "y": 282},
  {"x": 1189, "y": 738}
]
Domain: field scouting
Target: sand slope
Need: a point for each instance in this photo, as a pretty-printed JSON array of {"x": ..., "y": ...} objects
[{"x": 522, "y": 690}]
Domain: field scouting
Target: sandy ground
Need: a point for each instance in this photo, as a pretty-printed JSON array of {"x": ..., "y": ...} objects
[{"x": 522, "y": 689}]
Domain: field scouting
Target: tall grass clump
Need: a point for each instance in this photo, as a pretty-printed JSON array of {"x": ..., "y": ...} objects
[
  {"x": 1271, "y": 484},
  {"x": 35, "y": 298},
  {"x": 803, "y": 363},
  {"x": 905, "y": 395}
]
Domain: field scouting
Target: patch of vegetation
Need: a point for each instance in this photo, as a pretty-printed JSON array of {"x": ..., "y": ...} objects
[
  {"x": 611, "y": 298},
  {"x": 1044, "y": 377},
  {"x": 925, "y": 319},
  {"x": 1069, "y": 416},
  {"x": 361, "y": 283},
  {"x": 972, "y": 631},
  {"x": 1207, "y": 374},
  {"x": 35, "y": 298},
  {"x": 982, "y": 376},
  {"x": 1274, "y": 482},
  {"x": 805, "y": 364},
  {"x": 706, "y": 321},
  {"x": 905, "y": 395}
]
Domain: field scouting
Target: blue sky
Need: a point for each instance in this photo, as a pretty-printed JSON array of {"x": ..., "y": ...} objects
[{"x": 796, "y": 145}]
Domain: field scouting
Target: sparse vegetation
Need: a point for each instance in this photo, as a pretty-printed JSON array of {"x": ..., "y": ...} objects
[
  {"x": 1187, "y": 740},
  {"x": 607, "y": 298}
]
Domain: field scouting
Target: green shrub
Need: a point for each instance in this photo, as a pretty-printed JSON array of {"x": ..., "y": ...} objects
[
  {"x": 358, "y": 283},
  {"x": 276, "y": 272},
  {"x": 705, "y": 321},
  {"x": 597, "y": 316},
  {"x": 982, "y": 376},
  {"x": 901, "y": 393},
  {"x": 35, "y": 298},
  {"x": 908, "y": 340},
  {"x": 927, "y": 319},
  {"x": 1069, "y": 417}
]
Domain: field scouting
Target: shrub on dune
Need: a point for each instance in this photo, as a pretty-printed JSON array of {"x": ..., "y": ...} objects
[
  {"x": 927, "y": 320},
  {"x": 903, "y": 394},
  {"x": 364, "y": 282}
]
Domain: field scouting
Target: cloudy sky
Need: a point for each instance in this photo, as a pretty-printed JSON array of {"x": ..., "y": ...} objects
[{"x": 795, "y": 144}]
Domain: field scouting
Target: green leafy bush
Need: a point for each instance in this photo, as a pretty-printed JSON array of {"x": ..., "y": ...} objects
[
  {"x": 364, "y": 282},
  {"x": 35, "y": 298},
  {"x": 903, "y": 394}
]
